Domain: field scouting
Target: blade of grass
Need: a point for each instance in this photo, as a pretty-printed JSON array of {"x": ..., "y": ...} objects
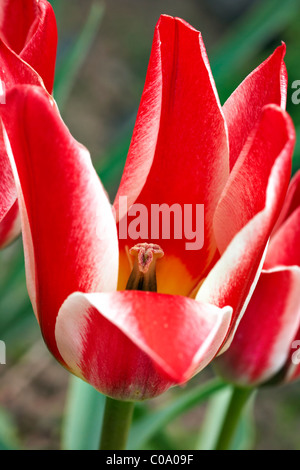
[
  {"x": 83, "y": 417},
  {"x": 215, "y": 412},
  {"x": 66, "y": 74}
]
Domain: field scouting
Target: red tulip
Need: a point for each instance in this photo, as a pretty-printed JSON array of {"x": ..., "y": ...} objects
[
  {"x": 28, "y": 40},
  {"x": 267, "y": 339},
  {"x": 176, "y": 305}
]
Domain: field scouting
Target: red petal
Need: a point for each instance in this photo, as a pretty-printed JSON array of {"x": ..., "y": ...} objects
[
  {"x": 14, "y": 70},
  {"x": 16, "y": 20},
  {"x": 248, "y": 210},
  {"x": 263, "y": 339},
  {"x": 134, "y": 345},
  {"x": 29, "y": 28},
  {"x": 292, "y": 200},
  {"x": 69, "y": 232},
  {"x": 179, "y": 150},
  {"x": 267, "y": 84}
]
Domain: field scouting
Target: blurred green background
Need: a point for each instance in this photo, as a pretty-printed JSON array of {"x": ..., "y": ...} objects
[{"x": 103, "y": 53}]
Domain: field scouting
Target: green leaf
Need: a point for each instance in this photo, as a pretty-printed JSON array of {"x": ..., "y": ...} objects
[
  {"x": 215, "y": 413},
  {"x": 245, "y": 435},
  {"x": 66, "y": 74},
  {"x": 145, "y": 428},
  {"x": 83, "y": 417},
  {"x": 8, "y": 432}
]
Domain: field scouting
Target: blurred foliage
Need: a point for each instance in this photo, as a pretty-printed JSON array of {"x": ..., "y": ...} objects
[
  {"x": 148, "y": 425},
  {"x": 70, "y": 64},
  {"x": 245, "y": 42}
]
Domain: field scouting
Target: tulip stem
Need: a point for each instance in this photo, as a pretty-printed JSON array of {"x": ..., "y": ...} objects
[
  {"x": 116, "y": 424},
  {"x": 238, "y": 400}
]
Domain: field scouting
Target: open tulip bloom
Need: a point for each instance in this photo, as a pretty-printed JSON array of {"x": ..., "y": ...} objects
[
  {"x": 130, "y": 307},
  {"x": 28, "y": 41},
  {"x": 266, "y": 345}
]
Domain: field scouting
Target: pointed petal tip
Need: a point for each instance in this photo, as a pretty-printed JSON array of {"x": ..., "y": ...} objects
[
  {"x": 165, "y": 20},
  {"x": 275, "y": 109},
  {"x": 279, "y": 50},
  {"x": 283, "y": 45}
]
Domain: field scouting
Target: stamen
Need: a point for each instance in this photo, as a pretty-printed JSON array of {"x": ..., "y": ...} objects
[{"x": 143, "y": 275}]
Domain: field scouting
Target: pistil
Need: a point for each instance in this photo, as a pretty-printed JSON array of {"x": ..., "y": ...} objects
[{"x": 143, "y": 274}]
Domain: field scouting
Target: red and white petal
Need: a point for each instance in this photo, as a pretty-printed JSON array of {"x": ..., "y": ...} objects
[
  {"x": 291, "y": 203},
  {"x": 260, "y": 177},
  {"x": 135, "y": 344},
  {"x": 8, "y": 193},
  {"x": 247, "y": 212},
  {"x": 267, "y": 84},
  {"x": 70, "y": 238},
  {"x": 291, "y": 370},
  {"x": 10, "y": 226},
  {"x": 284, "y": 249},
  {"x": 13, "y": 71},
  {"x": 28, "y": 27},
  {"x": 261, "y": 345},
  {"x": 178, "y": 154}
]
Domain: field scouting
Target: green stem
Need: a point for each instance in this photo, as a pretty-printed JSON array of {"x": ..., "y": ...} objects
[
  {"x": 116, "y": 424},
  {"x": 237, "y": 402}
]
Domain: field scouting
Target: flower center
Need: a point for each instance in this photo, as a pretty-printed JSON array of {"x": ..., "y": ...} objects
[{"x": 143, "y": 274}]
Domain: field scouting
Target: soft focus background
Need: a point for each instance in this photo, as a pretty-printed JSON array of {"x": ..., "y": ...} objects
[{"x": 102, "y": 61}]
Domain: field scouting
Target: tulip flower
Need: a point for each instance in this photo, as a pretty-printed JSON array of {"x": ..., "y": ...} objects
[
  {"x": 28, "y": 41},
  {"x": 265, "y": 347},
  {"x": 133, "y": 315}
]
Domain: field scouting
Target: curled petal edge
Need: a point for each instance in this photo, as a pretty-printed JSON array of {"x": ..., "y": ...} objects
[{"x": 139, "y": 326}]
